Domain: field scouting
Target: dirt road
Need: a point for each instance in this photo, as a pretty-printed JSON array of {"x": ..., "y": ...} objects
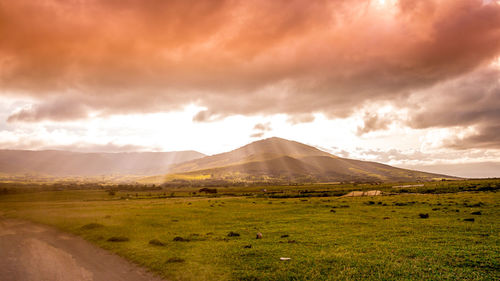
[{"x": 32, "y": 252}]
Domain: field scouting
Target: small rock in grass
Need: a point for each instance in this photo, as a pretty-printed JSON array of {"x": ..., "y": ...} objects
[
  {"x": 423, "y": 216},
  {"x": 156, "y": 242},
  {"x": 180, "y": 239},
  {"x": 285, "y": 259},
  {"x": 118, "y": 239},
  {"x": 259, "y": 235}
]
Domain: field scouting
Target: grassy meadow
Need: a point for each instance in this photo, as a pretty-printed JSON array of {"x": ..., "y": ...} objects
[{"x": 181, "y": 234}]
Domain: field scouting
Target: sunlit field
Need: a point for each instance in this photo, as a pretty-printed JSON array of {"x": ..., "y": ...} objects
[{"x": 438, "y": 231}]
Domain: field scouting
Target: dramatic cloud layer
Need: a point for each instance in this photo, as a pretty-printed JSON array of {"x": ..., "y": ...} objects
[
  {"x": 471, "y": 101},
  {"x": 235, "y": 57},
  {"x": 427, "y": 68}
]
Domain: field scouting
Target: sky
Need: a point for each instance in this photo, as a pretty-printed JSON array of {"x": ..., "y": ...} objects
[{"x": 409, "y": 83}]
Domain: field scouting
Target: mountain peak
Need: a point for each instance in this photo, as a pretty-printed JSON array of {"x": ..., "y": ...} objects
[
  {"x": 266, "y": 149},
  {"x": 280, "y": 146}
]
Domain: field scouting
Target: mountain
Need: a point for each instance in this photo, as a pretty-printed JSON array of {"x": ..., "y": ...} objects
[
  {"x": 263, "y": 150},
  {"x": 66, "y": 163},
  {"x": 281, "y": 159}
]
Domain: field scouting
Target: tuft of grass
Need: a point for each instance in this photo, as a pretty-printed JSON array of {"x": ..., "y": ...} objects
[
  {"x": 175, "y": 260},
  {"x": 90, "y": 226},
  {"x": 118, "y": 239},
  {"x": 156, "y": 242}
]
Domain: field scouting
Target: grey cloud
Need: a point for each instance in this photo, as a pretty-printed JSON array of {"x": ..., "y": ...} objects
[
  {"x": 418, "y": 157},
  {"x": 374, "y": 122},
  {"x": 56, "y": 109},
  {"x": 263, "y": 127},
  {"x": 469, "y": 101},
  {"x": 257, "y": 135},
  {"x": 487, "y": 137},
  {"x": 301, "y": 118}
]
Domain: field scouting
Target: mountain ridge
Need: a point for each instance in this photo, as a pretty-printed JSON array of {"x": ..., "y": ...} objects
[{"x": 286, "y": 160}]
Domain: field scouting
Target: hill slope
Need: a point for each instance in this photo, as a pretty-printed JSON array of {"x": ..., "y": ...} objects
[
  {"x": 281, "y": 159},
  {"x": 65, "y": 163}
]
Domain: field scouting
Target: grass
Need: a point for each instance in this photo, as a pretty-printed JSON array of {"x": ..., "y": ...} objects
[{"x": 381, "y": 237}]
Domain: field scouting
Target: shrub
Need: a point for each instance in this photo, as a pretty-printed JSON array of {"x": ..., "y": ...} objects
[
  {"x": 423, "y": 216},
  {"x": 233, "y": 234}
]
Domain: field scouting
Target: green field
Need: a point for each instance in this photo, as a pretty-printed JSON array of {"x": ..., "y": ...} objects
[{"x": 326, "y": 237}]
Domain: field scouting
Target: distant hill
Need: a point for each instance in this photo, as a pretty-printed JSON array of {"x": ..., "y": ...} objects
[
  {"x": 65, "y": 163},
  {"x": 277, "y": 159}
]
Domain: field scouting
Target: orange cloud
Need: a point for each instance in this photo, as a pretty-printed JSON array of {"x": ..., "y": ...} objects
[{"x": 236, "y": 57}]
